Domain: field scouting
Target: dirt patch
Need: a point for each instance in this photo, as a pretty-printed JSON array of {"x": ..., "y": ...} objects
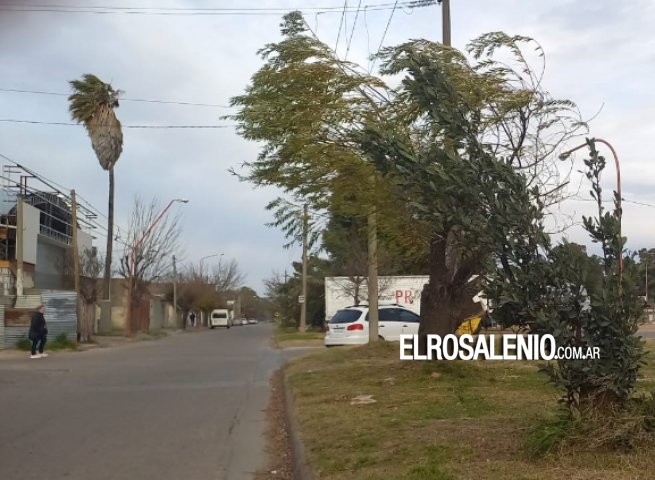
[
  {"x": 278, "y": 449},
  {"x": 299, "y": 344}
]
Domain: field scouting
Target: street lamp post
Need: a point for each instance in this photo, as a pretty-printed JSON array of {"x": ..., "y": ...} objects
[
  {"x": 202, "y": 275},
  {"x": 132, "y": 261},
  {"x": 204, "y": 258},
  {"x": 567, "y": 154}
]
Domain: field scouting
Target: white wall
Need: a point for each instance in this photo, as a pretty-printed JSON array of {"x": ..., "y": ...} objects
[
  {"x": 84, "y": 241},
  {"x": 31, "y": 222}
]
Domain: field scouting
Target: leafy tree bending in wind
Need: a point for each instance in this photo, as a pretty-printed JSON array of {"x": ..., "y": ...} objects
[{"x": 92, "y": 104}]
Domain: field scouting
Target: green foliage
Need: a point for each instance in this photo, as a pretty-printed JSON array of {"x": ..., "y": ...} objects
[
  {"x": 451, "y": 161},
  {"x": 61, "y": 342},
  {"x": 283, "y": 294},
  {"x": 582, "y": 302},
  {"x": 549, "y": 433}
]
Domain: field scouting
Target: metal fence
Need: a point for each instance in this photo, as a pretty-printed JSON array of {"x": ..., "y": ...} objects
[{"x": 60, "y": 317}]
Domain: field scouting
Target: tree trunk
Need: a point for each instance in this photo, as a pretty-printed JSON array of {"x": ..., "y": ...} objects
[
  {"x": 443, "y": 305},
  {"x": 110, "y": 234}
]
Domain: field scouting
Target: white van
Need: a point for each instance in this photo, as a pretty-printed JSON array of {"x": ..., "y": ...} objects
[{"x": 220, "y": 318}]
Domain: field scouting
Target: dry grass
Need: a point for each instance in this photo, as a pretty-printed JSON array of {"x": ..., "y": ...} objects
[{"x": 436, "y": 421}]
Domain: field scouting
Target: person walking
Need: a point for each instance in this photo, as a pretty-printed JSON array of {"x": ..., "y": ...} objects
[
  {"x": 192, "y": 317},
  {"x": 38, "y": 332}
]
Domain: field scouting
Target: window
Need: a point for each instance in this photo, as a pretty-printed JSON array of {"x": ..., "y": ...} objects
[
  {"x": 219, "y": 315},
  {"x": 407, "y": 316},
  {"x": 346, "y": 316}
]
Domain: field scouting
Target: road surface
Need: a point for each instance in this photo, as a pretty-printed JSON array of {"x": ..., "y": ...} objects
[{"x": 190, "y": 406}]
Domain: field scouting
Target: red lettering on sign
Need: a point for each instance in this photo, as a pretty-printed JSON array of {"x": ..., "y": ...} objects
[
  {"x": 399, "y": 296},
  {"x": 404, "y": 296},
  {"x": 408, "y": 296}
]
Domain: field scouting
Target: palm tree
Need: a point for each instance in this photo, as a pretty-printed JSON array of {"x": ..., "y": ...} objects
[{"x": 92, "y": 104}]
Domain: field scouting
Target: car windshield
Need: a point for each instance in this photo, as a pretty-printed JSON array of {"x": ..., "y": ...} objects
[
  {"x": 219, "y": 315},
  {"x": 345, "y": 316}
]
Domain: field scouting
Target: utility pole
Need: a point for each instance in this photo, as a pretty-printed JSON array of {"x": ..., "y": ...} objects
[
  {"x": 82, "y": 332},
  {"x": 305, "y": 243},
  {"x": 20, "y": 230},
  {"x": 373, "y": 323},
  {"x": 646, "y": 278},
  {"x": 175, "y": 295},
  {"x": 445, "y": 21}
]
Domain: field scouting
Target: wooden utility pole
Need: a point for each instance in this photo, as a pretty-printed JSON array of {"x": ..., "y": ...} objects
[
  {"x": 82, "y": 332},
  {"x": 646, "y": 277},
  {"x": 305, "y": 244},
  {"x": 175, "y": 295},
  {"x": 20, "y": 230},
  {"x": 373, "y": 323},
  {"x": 445, "y": 21}
]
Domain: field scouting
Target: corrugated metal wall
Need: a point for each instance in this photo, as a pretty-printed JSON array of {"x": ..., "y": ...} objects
[
  {"x": 60, "y": 317},
  {"x": 60, "y": 313}
]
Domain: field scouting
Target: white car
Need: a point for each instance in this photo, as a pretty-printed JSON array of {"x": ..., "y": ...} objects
[{"x": 349, "y": 326}]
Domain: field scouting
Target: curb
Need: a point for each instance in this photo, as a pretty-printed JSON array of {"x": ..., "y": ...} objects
[{"x": 301, "y": 469}]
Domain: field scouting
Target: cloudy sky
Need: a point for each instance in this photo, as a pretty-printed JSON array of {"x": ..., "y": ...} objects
[{"x": 600, "y": 53}]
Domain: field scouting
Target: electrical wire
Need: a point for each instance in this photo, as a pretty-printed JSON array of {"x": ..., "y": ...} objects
[
  {"x": 384, "y": 35},
  {"x": 352, "y": 32},
  {"x": 71, "y": 124},
  {"x": 84, "y": 206},
  {"x": 217, "y": 11},
  {"x": 143, "y": 100},
  {"x": 343, "y": 14}
]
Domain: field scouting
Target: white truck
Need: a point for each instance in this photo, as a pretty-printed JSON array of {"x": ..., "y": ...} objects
[{"x": 402, "y": 290}]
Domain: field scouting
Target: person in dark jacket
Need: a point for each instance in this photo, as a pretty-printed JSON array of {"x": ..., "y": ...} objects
[{"x": 38, "y": 332}]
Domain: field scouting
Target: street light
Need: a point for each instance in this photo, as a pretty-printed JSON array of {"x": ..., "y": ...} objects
[
  {"x": 208, "y": 256},
  {"x": 132, "y": 261},
  {"x": 563, "y": 156}
]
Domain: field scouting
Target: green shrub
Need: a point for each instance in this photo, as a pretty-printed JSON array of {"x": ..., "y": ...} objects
[{"x": 61, "y": 342}]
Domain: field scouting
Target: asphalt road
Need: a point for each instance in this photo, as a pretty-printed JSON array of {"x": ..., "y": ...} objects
[{"x": 190, "y": 406}]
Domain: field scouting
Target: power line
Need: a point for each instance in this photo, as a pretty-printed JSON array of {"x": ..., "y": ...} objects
[
  {"x": 343, "y": 14},
  {"x": 384, "y": 35},
  {"x": 189, "y": 12},
  {"x": 645, "y": 204},
  {"x": 171, "y": 102},
  {"x": 63, "y": 192},
  {"x": 71, "y": 124},
  {"x": 352, "y": 32}
]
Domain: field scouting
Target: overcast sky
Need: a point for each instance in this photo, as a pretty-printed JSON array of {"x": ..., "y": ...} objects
[{"x": 600, "y": 53}]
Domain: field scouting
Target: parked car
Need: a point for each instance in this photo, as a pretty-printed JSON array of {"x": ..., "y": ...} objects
[
  {"x": 349, "y": 326},
  {"x": 252, "y": 321},
  {"x": 241, "y": 321},
  {"x": 220, "y": 318}
]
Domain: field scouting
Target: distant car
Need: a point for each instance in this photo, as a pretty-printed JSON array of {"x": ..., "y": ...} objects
[
  {"x": 349, "y": 326},
  {"x": 244, "y": 321},
  {"x": 220, "y": 318},
  {"x": 252, "y": 321}
]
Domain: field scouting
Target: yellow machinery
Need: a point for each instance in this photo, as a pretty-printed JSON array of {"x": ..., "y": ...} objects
[{"x": 470, "y": 325}]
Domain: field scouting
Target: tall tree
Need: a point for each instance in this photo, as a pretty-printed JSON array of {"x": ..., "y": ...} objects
[
  {"x": 437, "y": 158},
  {"x": 470, "y": 143},
  {"x": 92, "y": 103},
  {"x": 151, "y": 257}
]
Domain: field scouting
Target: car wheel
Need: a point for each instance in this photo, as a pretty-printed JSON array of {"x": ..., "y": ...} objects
[
  {"x": 212, "y": 327},
  {"x": 380, "y": 337}
]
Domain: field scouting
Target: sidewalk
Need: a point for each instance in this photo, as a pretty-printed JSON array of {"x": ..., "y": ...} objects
[{"x": 103, "y": 341}]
